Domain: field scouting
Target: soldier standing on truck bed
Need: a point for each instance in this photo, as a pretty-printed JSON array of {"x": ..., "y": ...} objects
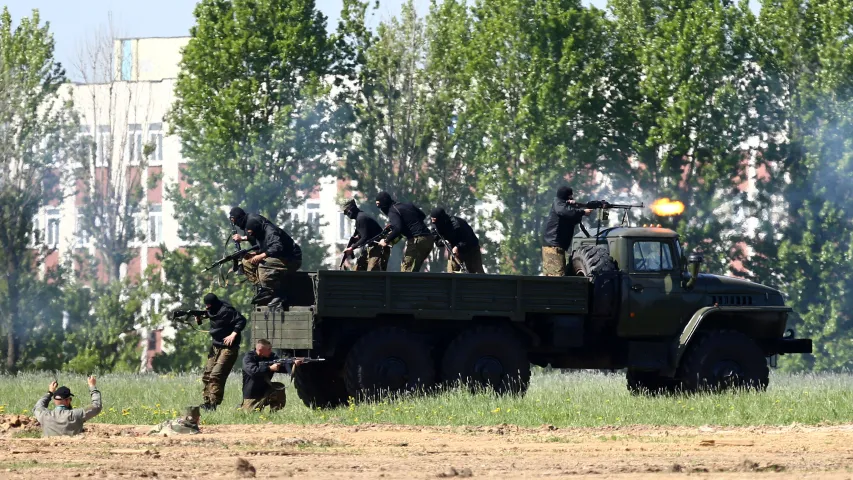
[
  {"x": 406, "y": 220},
  {"x": 372, "y": 257},
  {"x": 462, "y": 239},
  {"x": 559, "y": 230},
  {"x": 226, "y": 323},
  {"x": 277, "y": 256}
]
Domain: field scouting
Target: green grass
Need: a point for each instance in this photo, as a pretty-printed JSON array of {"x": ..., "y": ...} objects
[{"x": 577, "y": 399}]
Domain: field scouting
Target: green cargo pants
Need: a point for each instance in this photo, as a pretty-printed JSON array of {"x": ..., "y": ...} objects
[
  {"x": 275, "y": 399},
  {"x": 270, "y": 273},
  {"x": 220, "y": 361},
  {"x": 553, "y": 261},
  {"x": 416, "y": 252},
  {"x": 373, "y": 259},
  {"x": 472, "y": 260}
]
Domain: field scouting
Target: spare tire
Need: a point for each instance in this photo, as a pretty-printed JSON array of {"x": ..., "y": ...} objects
[{"x": 591, "y": 260}]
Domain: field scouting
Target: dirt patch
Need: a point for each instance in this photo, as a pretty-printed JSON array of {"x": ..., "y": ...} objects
[
  {"x": 394, "y": 451},
  {"x": 17, "y": 423}
]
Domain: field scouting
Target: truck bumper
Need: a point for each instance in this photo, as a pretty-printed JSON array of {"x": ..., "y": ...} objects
[{"x": 794, "y": 345}]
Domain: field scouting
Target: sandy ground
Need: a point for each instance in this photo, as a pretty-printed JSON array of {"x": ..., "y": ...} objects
[{"x": 404, "y": 452}]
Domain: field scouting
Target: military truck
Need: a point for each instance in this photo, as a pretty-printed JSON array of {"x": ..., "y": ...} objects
[{"x": 632, "y": 300}]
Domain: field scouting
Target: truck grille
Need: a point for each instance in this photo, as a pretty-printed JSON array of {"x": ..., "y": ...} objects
[{"x": 731, "y": 300}]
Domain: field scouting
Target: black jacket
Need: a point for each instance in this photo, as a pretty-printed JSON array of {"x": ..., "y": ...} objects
[
  {"x": 560, "y": 227},
  {"x": 224, "y": 322},
  {"x": 366, "y": 228},
  {"x": 458, "y": 233},
  {"x": 407, "y": 220},
  {"x": 257, "y": 374},
  {"x": 274, "y": 241}
]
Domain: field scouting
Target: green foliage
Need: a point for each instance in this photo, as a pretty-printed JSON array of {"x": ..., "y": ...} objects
[
  {"x": 251, "y": 112},
  {"x": 37, "y": 139},
  {"x": 805, "y": 237}
]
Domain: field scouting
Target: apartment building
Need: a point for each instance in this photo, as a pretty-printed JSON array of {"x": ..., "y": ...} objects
[{"x": 122, "y": 115}]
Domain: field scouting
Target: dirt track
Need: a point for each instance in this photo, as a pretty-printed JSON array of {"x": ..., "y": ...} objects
[{"x": 388, "y": 451}]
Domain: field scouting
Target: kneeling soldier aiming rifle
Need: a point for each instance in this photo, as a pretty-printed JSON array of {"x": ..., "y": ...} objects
[{"x": 259, "y": 366}]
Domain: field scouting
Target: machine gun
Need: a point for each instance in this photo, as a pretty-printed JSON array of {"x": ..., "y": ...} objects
[
  {"x": 233, "y": 257},
  {"x": 179, "y": 314},
  {"x": 603, "y": 206},
  {"x": 446, "y": 244},
  {"x": 288, "y": 362}
]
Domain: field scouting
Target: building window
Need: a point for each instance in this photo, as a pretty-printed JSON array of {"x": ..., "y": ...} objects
[
  {"x": 134, "y": 144},
  {"x": 314, "y": 214},
  {"x": 52, "y": 234},
  {"x": 34, "y": 238},
  {"x": 104, "y": 146},
  {"x": 136, "y": 230},
  {"x": 80, "y": 232},
  {"x": 126, "y": 60},
  {"x": 87, "y": 144},
  {"x": 345, "y": 228},
  {"x": 155, "y": 139},
  {"x": 155, "y": 224}
]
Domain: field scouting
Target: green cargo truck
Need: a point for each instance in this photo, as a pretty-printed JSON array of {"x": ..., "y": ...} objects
[{"x": 634, "y": 301}]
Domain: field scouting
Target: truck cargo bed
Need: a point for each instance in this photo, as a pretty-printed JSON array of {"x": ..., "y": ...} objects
[{"x": 447, "y": 296}]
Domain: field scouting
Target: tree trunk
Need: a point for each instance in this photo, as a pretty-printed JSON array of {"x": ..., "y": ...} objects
[{"x": 11, "y": 337}]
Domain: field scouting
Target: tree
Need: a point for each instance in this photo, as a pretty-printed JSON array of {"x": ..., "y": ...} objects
[
  {"x": 696, "y": 96},
  {"x": 117, "y": 127},
  {"x": 252, "y": 113},
  {"x": 38, "y": 130},
  {"x": 536, "y": 99},
  {"x": 804, "y": 242}
]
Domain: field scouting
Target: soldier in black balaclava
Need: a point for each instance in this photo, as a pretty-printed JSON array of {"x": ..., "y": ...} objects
[
  {"x": 559, "y": 230},
  {"x": 277, "y": 256},
  {"x": 226, "y": 323},
  {"x": 463, "y": 241},
  {"x": 372, "y": 257},
  {"x": 406, "y": 220}
]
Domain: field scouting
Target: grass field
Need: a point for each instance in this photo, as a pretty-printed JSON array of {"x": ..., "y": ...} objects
[{"x": 576, "y": 399}]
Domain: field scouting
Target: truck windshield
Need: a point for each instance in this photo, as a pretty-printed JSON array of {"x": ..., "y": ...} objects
[{"x": 679, "y": 252}]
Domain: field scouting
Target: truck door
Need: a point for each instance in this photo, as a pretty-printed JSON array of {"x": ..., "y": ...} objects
[{"x": 654, "y": 290}]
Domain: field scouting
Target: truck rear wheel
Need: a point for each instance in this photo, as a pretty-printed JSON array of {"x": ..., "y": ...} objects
[
  {"x": 649, "y": 383},
  {"x": 388, "y": 361},
  {"x": 320, "y": 385},
  {"x": 591, "y": 260},
  {"x": 722, "y": 360},
  {"x": 488, "y": 358}
]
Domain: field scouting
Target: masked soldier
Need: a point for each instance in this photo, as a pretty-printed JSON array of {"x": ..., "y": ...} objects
[
  {"x": 186, "y": 425},
  {"x": 559, "y": 230},
  {"x": 259, "y": 391},
  {"x": 373, "y": 257},
  {"x": 407, "y": 220},
  {"x": 277, "y": 256},
  {"x": 226, "y": 323},
  {"x": 463, "y": 241}
]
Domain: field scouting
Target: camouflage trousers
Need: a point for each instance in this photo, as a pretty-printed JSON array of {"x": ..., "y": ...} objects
[
  {"x": 178, "y": 426},
  {"x": 275, "y": 399},
  {"x": 472, "y": 260},
  {"x": 220, "y": 361},
  {"x": 553, "y": 261},
  {"x": 270, "y": 273},
  {"x": 373, "y": 259},
  {"x": 416, "y": 252}
]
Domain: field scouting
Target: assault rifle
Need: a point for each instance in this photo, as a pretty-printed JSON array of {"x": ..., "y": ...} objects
[
  {"x": 288, "y": 362},
  {"x": 178, "y": 314},
  {"x": 449, "y": 249},
  {"x": 233, "y": 257},
  {"x": 236, "y": 266}
]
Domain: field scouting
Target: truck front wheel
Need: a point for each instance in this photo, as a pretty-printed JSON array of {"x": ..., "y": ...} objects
[
  {"x": 721, "y": 360},
  {"x": 388, "y": 361},
  {"x": 320, "y": 385},
  {"x": 488, "y": 358}
]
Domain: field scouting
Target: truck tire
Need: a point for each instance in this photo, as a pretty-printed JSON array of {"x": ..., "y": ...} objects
[
  {"x": 590, "y": 260},
  {"x": 487, "y": 357},
  {"x": 649, "y": 383},
  {"x": 320, "y": 385},
  {"x": 388, "y": 361},
  {"x": 721, "y": 360}
]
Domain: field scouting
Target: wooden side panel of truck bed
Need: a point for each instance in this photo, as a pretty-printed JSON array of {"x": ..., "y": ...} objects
[{"x": 447, "y": 296}]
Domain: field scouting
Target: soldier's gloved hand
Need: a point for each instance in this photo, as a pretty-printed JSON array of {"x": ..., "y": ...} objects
[{"x": 198, "y": 319}]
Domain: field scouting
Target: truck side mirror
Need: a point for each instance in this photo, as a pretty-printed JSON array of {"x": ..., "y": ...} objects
[{"x": 693, "y": 262}]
